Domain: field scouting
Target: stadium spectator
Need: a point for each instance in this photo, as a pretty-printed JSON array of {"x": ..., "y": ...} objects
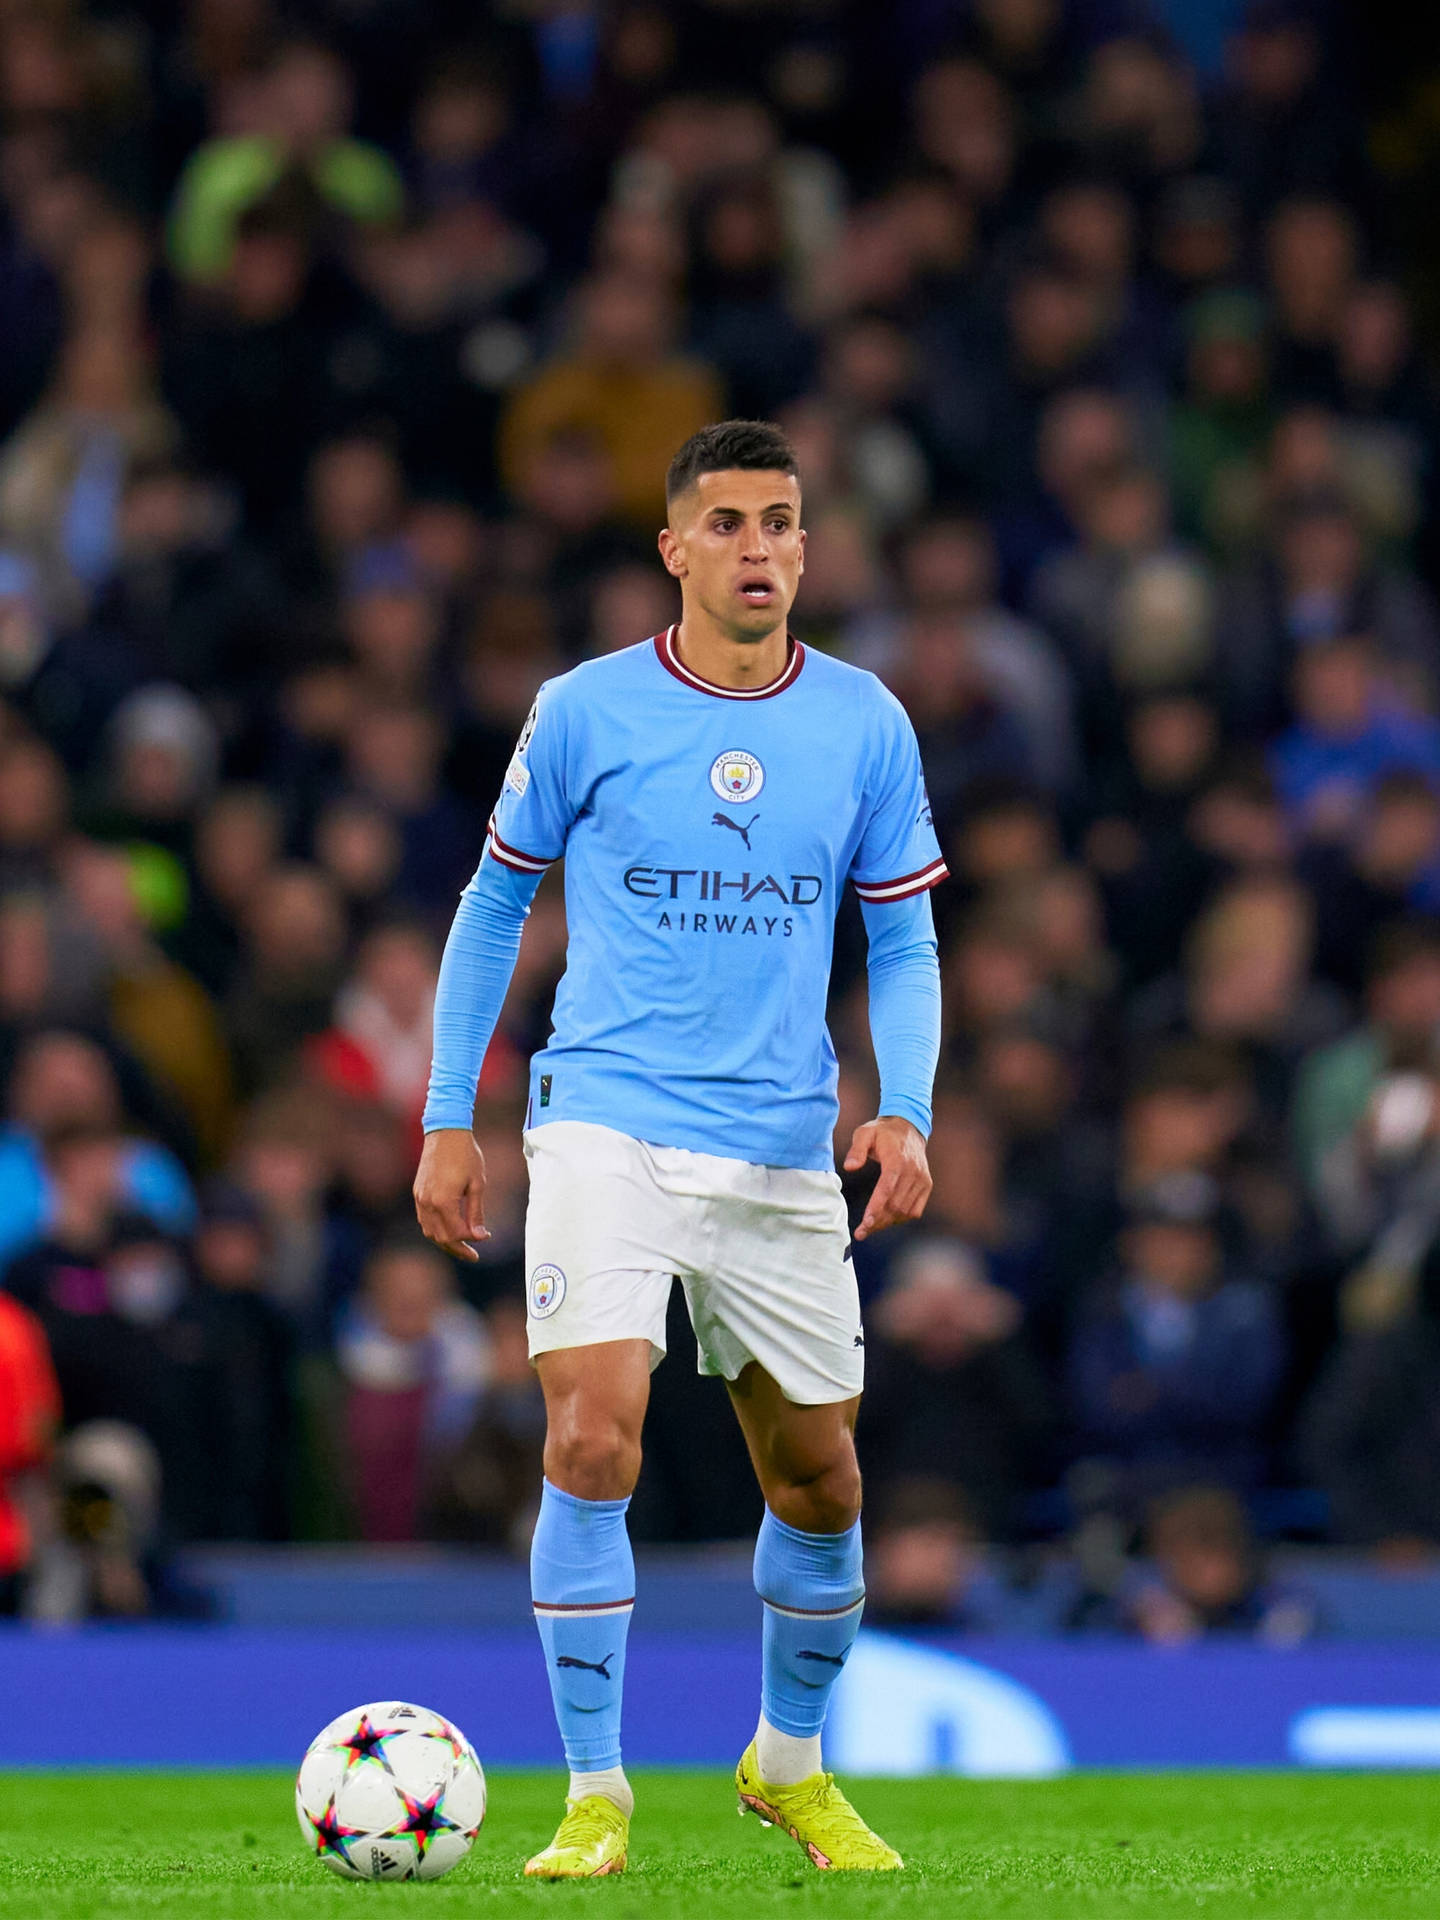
[
  {"x": 34, "y": 808},
  {"x": 112, "y": 1292},
  {"x": 1347, "y": 736},
  {"x": 379, "y": 1047},
  {"x": 63, "y": 470},
  {"x": 1388, "y": 867},
  {"x": 29, "y": 1417},
  {"x": 1316, "y": 581},
  {"x": 926, "y": 1565},
  {"x": 1220, "y": 427},
  {"x": 742, "y": 323},
  {"x": 1203, "y": 1576},
  {"x": 968, "y": 726},
  {"x": 415, "y": 1361},
  {"x": 248, "y": 1346},
  {"x": 246, "y": 369},
  {"x": 953, "y": 1392},
  {"x": 284, "y": 1160},
  {"x": 60, "y": 1081},
  {"x": 108, "y": 1556},
  {"x": 185, "y": 600},
  {"x": 624, "y": 383},
  {"x": 1247, "y": 985},
  {"x": 947, "y": 565},
  {"x": 1370, "y": 1427},
  {"x": 357, "y": 845},
  {"x": 1338, "y": 1082},
  {"x": 298, "y": 137},
  {"x": 282, "y": 993},
  {"x": 236, "y": 842},
  {"x": 1175, "y": 1362},
  {"x": 163, "y": 1016},
  {"x": 488, "y": 1491}
]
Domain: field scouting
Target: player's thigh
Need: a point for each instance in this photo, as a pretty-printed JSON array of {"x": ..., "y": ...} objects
[
  {"x": 599, "y": 1241},
  {"x": 595, "y": 1401},
  {"x": 781, "y": 1291},
  {"x": 794, "y": 1446},
  {"x": 607, "y": 1381}
]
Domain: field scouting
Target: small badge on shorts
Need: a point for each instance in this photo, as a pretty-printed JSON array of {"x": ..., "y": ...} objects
[{"x": 547, "y": 1290}]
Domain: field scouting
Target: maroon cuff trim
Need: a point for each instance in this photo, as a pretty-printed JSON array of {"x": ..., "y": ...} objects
[
  {"x": 904, "y": 885},
  {"x": 512, "y": 856}
]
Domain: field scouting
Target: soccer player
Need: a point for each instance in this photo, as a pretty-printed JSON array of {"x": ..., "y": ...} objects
[{"x": 711, "y": 791}]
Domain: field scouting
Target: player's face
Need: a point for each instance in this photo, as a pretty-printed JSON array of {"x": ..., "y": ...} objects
[{"x": 736, "y": 544}]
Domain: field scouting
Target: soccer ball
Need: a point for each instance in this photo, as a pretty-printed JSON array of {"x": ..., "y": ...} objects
[{"x": 390, "y": 1792}]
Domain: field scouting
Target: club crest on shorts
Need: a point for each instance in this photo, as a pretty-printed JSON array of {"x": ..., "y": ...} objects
[
  {"x": 547, "y": 1290},
  {"x": 737, "y": 776}
]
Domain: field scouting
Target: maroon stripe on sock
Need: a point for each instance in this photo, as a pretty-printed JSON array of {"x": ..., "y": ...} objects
[
  {"x": 813, "y": 1613},
  {"x": 581, "y": 1606}
]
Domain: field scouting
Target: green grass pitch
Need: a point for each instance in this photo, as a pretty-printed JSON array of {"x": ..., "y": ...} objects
[{"x": 102, "y": 1846}]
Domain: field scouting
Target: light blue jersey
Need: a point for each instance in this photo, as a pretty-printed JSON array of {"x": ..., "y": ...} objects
[{"x": 707, "y": 836}]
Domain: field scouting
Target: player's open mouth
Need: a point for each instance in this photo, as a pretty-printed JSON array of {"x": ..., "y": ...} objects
[{"x": 758, "y": 591}]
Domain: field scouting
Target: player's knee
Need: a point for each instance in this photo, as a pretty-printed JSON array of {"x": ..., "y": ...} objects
[
  {"x": 827, "y": 1503},
  {"x": 593, "y": 1457}
]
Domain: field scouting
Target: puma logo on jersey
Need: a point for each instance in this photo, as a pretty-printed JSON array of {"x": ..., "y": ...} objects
[{"x": 724, "y": 820}]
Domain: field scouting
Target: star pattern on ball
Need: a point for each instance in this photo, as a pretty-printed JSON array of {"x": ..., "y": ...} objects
[
  {"x": 450, "y": 1738},
  {"x": 367, "y": 1742},
  {"x": 331, "y": 1836},
  {"x": 424, "y": 1820}
]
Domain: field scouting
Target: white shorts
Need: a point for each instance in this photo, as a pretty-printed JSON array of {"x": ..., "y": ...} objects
[{"x": 760, "y": 1251}]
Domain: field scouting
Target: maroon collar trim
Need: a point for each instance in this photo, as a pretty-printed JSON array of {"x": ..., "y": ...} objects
[{"x": 669, "y": 658}]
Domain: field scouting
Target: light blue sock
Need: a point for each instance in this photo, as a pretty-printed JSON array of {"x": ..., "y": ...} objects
[
  {"x": 582, "y": 1586},
  {"x": 813, "y": 1586}
]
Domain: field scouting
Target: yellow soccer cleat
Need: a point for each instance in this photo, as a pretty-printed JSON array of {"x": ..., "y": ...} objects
[
  {"x": 818, "y": 1817},
  {"x": 592, "y": 1839}
]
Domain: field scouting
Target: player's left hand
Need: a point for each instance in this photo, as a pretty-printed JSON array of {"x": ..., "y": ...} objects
[{"x": 904, "y": 1184}]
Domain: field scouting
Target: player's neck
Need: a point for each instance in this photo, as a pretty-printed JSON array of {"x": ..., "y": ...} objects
[{"x": 707, "y": 650}]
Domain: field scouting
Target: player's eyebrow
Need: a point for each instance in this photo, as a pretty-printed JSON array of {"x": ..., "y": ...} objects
[{"x": 738, "y": 513}]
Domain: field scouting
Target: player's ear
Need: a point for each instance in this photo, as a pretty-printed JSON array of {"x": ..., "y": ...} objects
[
  {"x": 801, "y": 550},
  {"x": 672, "y": 552}
]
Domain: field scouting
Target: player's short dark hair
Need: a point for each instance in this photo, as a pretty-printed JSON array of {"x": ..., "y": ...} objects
[{"x": 754, "y": 446}]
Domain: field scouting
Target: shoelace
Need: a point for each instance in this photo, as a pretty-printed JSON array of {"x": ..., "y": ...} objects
[
  {"x": 583, "y": 1825},
  {"x": 825, "y": 1797}
]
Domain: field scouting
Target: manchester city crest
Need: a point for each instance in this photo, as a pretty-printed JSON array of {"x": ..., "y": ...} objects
[
  {"x": 547, "y": 1290},
  {"x": 737, "y": 776}
]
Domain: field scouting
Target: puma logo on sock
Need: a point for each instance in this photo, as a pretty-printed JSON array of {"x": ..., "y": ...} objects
[{"x": 602, "y": 1667}]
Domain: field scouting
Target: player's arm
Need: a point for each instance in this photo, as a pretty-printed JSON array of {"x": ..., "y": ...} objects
[
  {"x": 475, "y": 972},
  {"x": 527, "y": 833},
  {"x": 904, "y": 973},
  {"x": 897, "y": 862}
]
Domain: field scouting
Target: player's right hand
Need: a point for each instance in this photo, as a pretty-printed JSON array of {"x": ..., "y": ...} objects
[{"x": 450, "y": 1191}]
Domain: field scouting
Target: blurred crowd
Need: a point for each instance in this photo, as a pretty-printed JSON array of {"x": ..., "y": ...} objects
[{"x": 344, "y": 351}]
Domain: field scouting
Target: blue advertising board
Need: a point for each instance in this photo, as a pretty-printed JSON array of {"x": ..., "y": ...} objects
[{"x": 238, "y": 1696}]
